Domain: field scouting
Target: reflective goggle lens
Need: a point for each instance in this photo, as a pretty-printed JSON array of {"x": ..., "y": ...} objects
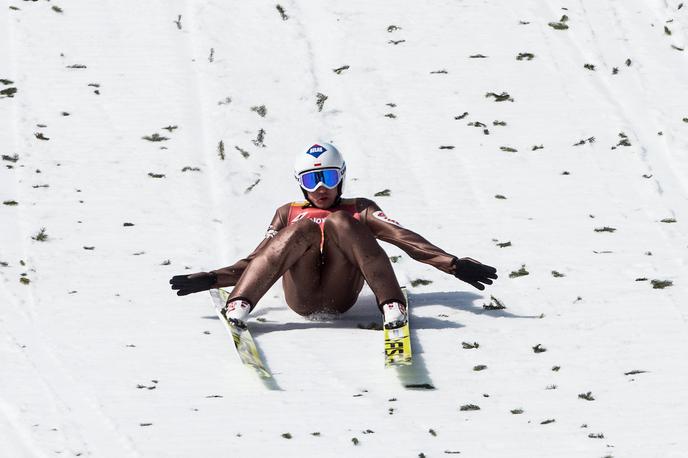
[{"x": 328, "y": 177}]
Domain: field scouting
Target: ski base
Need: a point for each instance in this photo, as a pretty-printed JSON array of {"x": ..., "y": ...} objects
[
  {"x": 398, "y": 343},
  {"x": 241, "y": 336}
]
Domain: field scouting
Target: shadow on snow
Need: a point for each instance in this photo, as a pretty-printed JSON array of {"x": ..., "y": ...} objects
[{"x": 365, "y": 311}]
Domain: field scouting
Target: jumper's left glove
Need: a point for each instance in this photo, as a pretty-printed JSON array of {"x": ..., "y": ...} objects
[
  {"x": 187, "y": 284},
  {"x": 473, "y": 272}
]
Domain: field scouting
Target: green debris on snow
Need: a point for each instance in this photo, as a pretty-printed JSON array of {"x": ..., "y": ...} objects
[
  {"x": 221, "y": 150},
  {"x": 495, "y": 304},
  {"x": 502, "y": 97},
  {"x": 587, "y": 396},
  {"x": 634, "y": 372},
  {"x": 468, "y": 407},
  {"x": 320, "y": 100},
  {"x": 261, "y": 110},
  {"x": 539, "y": 349},
  {"x": 8, "y": 92},
  {"x": 156, "y": 137},
  {"x": 245, "y": 154},
  {"x": 520, "y": 272},
  {"x": 280, "y": 10},
  {"x": 561, "y": 25},
  {"x": 253, "y": 185},
  {"x": 41, "y": 236},
  {"x": 605, "y": 229},
  {"x": 260, "y": 139},
  {"x": 661, "y": 284}
]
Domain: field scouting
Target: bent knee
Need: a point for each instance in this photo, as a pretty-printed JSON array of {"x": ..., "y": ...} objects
[{"x": 307, "y": 229}]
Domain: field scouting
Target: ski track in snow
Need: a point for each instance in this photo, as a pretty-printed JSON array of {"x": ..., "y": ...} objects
[{"x": 100, "y": 358}]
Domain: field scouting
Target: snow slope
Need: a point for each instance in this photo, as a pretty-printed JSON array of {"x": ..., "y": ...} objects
[{"x": 99, "y": 358}]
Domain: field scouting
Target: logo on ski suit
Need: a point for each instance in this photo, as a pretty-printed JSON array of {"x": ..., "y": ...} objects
[
  {"x": 382, "y": 217},
  {"x": 316, "y": 220},
  {"x": 271, "y": 232},
  {"x": 299, "y": 211}
]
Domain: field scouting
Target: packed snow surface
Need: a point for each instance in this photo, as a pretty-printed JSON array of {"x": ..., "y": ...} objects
[{"x": 141, "y": 140}]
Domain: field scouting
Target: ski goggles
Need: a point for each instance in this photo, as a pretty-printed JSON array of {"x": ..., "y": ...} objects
[{"x": 330, "y": 178}]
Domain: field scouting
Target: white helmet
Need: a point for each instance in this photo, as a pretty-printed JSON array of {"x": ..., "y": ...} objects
[{"x": 320, "y": 157}]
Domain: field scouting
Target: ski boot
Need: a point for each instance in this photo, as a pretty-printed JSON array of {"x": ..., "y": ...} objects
[
  {"x": 236, "y": 312},
  {"x": 395, "y": 315}
]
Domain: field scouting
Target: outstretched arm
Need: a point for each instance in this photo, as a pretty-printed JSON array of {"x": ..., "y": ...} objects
[
  {"x": 229, "y": 276},
  {"x": 420, "y": 249},
  {"x": 226, "y": 276}
]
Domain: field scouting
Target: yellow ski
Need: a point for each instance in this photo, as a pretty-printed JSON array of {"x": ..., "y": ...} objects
[
  {"x": 243, "y": 342},
  {"x": 398, "y": 342}
]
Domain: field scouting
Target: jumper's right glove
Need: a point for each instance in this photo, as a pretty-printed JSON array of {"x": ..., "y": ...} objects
[
  {"x": 473, "y": 272},
  {"x": 193, "y": 283}
]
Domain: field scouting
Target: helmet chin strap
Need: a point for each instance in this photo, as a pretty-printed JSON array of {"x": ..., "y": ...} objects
[{"x": 336, "y": 202}]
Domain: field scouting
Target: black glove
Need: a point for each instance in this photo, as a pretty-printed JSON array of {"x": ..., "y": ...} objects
[
  {"x": 473, "y": 272},
  {"x": 193, "y": 283}
]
